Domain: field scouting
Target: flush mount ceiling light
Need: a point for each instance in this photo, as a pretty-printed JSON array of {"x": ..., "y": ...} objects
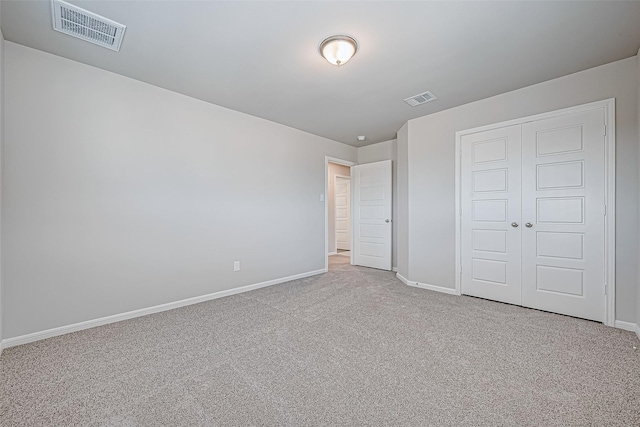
[{"x": 338, "y": 50}]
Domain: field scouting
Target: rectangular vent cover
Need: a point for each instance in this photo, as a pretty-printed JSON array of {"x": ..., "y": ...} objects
[
  {"x": 85, "y": 25},
  {"x": 420, "y": 99}
]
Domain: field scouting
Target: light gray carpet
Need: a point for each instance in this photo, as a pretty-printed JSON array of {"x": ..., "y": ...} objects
[{"x": 350, "y": 347}]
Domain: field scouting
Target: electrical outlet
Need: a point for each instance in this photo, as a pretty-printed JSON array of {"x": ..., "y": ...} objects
[{"x": 236, "y": 265}]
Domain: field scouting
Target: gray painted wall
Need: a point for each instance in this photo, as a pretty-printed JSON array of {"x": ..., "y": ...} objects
[
  {"x": 638, "y": 264},
  {"x": 403, "y": 199},
  {"x": 1, "y": 175},
  {"x": 387, "y": 150},
  {"x": 430, "y": 167},
  {"x": 334, "y": 169},
  {"x": 119, "y": 195}
]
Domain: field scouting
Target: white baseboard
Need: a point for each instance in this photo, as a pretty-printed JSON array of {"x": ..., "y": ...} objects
[
  {"x": 37, "y": 336},
  {"x": 426, "y": 286},
  {"x": 628, "y": 326},
  {"x": 394, "y": 269},
  {"x": 402, "y": 278}
]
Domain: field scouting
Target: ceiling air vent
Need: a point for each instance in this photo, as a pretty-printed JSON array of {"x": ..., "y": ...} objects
[
  {"x": 85, "y": 25},
  {"x": 420, "y": 99}
]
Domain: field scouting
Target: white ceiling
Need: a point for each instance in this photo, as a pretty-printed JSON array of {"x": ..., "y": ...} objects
[{"x": 261, "y": 58}]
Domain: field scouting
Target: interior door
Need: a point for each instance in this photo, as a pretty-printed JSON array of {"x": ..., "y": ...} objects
[
  {"x": 491, "y": 232},
  {"x": 563, "y": 199},
  {"x": 342, "y": 193},
  {"x": 372, "y": 219}
]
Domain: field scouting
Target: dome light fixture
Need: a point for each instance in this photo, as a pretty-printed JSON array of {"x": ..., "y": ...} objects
[{"x": 339, "y": 49}]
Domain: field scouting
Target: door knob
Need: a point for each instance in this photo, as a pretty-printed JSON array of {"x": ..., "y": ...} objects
[
  {"x": 515, "y": 224},
  {"x": 387, "y": 220},
  {"x": 528, "y": 225}
]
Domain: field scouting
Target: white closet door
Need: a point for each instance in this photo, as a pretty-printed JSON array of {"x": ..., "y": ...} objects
[
  {"x": 563, "y": 198},
  {"x": 343, "y": 212},
  {"x": 372, "y": 219},
  {"x": 491, "y": 232}
]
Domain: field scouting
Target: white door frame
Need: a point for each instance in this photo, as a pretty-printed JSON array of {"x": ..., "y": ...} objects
[
  {"x": 610, "y": 193},
  {"x": 335, "y": 239},
  {"x": 327, "y": 160}
]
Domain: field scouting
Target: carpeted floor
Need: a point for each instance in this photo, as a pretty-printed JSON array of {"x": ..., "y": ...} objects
[{"x": 351, "y": 347}]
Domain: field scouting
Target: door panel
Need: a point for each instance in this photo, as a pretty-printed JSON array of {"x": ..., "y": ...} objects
[
  {"x": 343, "y": 212},
  {"x": 372, "y": 214},
  {"x": 563, "y": 198},
  {"x": 490, "y": 203}
]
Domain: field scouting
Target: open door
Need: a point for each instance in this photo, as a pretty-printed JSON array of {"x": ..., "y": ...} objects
[
  {"x": 342, "y": 203},
  {"x": 372, "y": 214}
]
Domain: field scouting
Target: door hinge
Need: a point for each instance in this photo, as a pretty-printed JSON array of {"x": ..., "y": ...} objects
[
  {"x": 605, "y": 289},
  {"x": 605, "y": 210},
  {"x": 604, "y": 130}
]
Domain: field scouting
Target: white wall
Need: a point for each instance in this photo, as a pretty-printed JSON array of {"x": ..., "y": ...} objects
[
  {"x": 387, "y": 150},
  {"x": 334, "y": 169},
  {"x": 430, "y": 168},
  {"x": 119, "y": 195}
]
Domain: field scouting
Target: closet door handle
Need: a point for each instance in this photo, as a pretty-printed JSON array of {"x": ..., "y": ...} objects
[
  {"x": 528, "y": 225},
  {"x": 515, "y": 224}
]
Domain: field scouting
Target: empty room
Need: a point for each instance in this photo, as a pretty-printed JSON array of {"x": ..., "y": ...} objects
[{"x": 319, "y": 213}]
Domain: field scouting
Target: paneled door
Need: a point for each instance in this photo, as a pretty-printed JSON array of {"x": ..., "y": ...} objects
[
  {"x": 533, "y": 211},
  {"x": 491, "y": 233},
  {"x": 563, "y": 200},
  {"x": 343, "y": 212},
  {"x": 372, "y": 219}
]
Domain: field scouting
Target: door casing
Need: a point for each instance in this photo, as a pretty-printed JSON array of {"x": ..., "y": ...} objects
[{"x": 610, "y": 172}]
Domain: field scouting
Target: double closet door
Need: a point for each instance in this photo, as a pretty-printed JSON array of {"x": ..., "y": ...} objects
[{"x": 533, "y": 214}]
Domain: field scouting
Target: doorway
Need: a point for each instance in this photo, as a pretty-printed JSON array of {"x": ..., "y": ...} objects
[
  {"x": 336, "y": 167},
  {"x": 364, "y": 195},
  {"x": 339, "y": 209}
]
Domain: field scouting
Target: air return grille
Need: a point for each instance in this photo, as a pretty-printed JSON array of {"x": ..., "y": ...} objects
[
  {"x": 85, "y": 25},
  {"x": 420, "y": 99}
]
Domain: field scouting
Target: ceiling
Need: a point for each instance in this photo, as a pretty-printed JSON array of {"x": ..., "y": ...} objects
[{"x": 262, "y": 58}]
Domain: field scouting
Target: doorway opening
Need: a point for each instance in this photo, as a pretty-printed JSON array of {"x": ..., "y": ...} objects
[
  {"x": 358, "y": 213},
  {"x": 339, "y": 209},
  {"x": 338, "y": 232}
]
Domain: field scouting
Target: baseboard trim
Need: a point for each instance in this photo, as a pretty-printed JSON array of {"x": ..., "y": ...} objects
[
  {"x": 402, "y": 278},
  {"x": 628, "y": 326},
  {"x": 407, "y": 282},
  {"x": 394, "y": 269},
  {"x": 49, "y": 333},
  {"x": 332, "y": 253}
]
